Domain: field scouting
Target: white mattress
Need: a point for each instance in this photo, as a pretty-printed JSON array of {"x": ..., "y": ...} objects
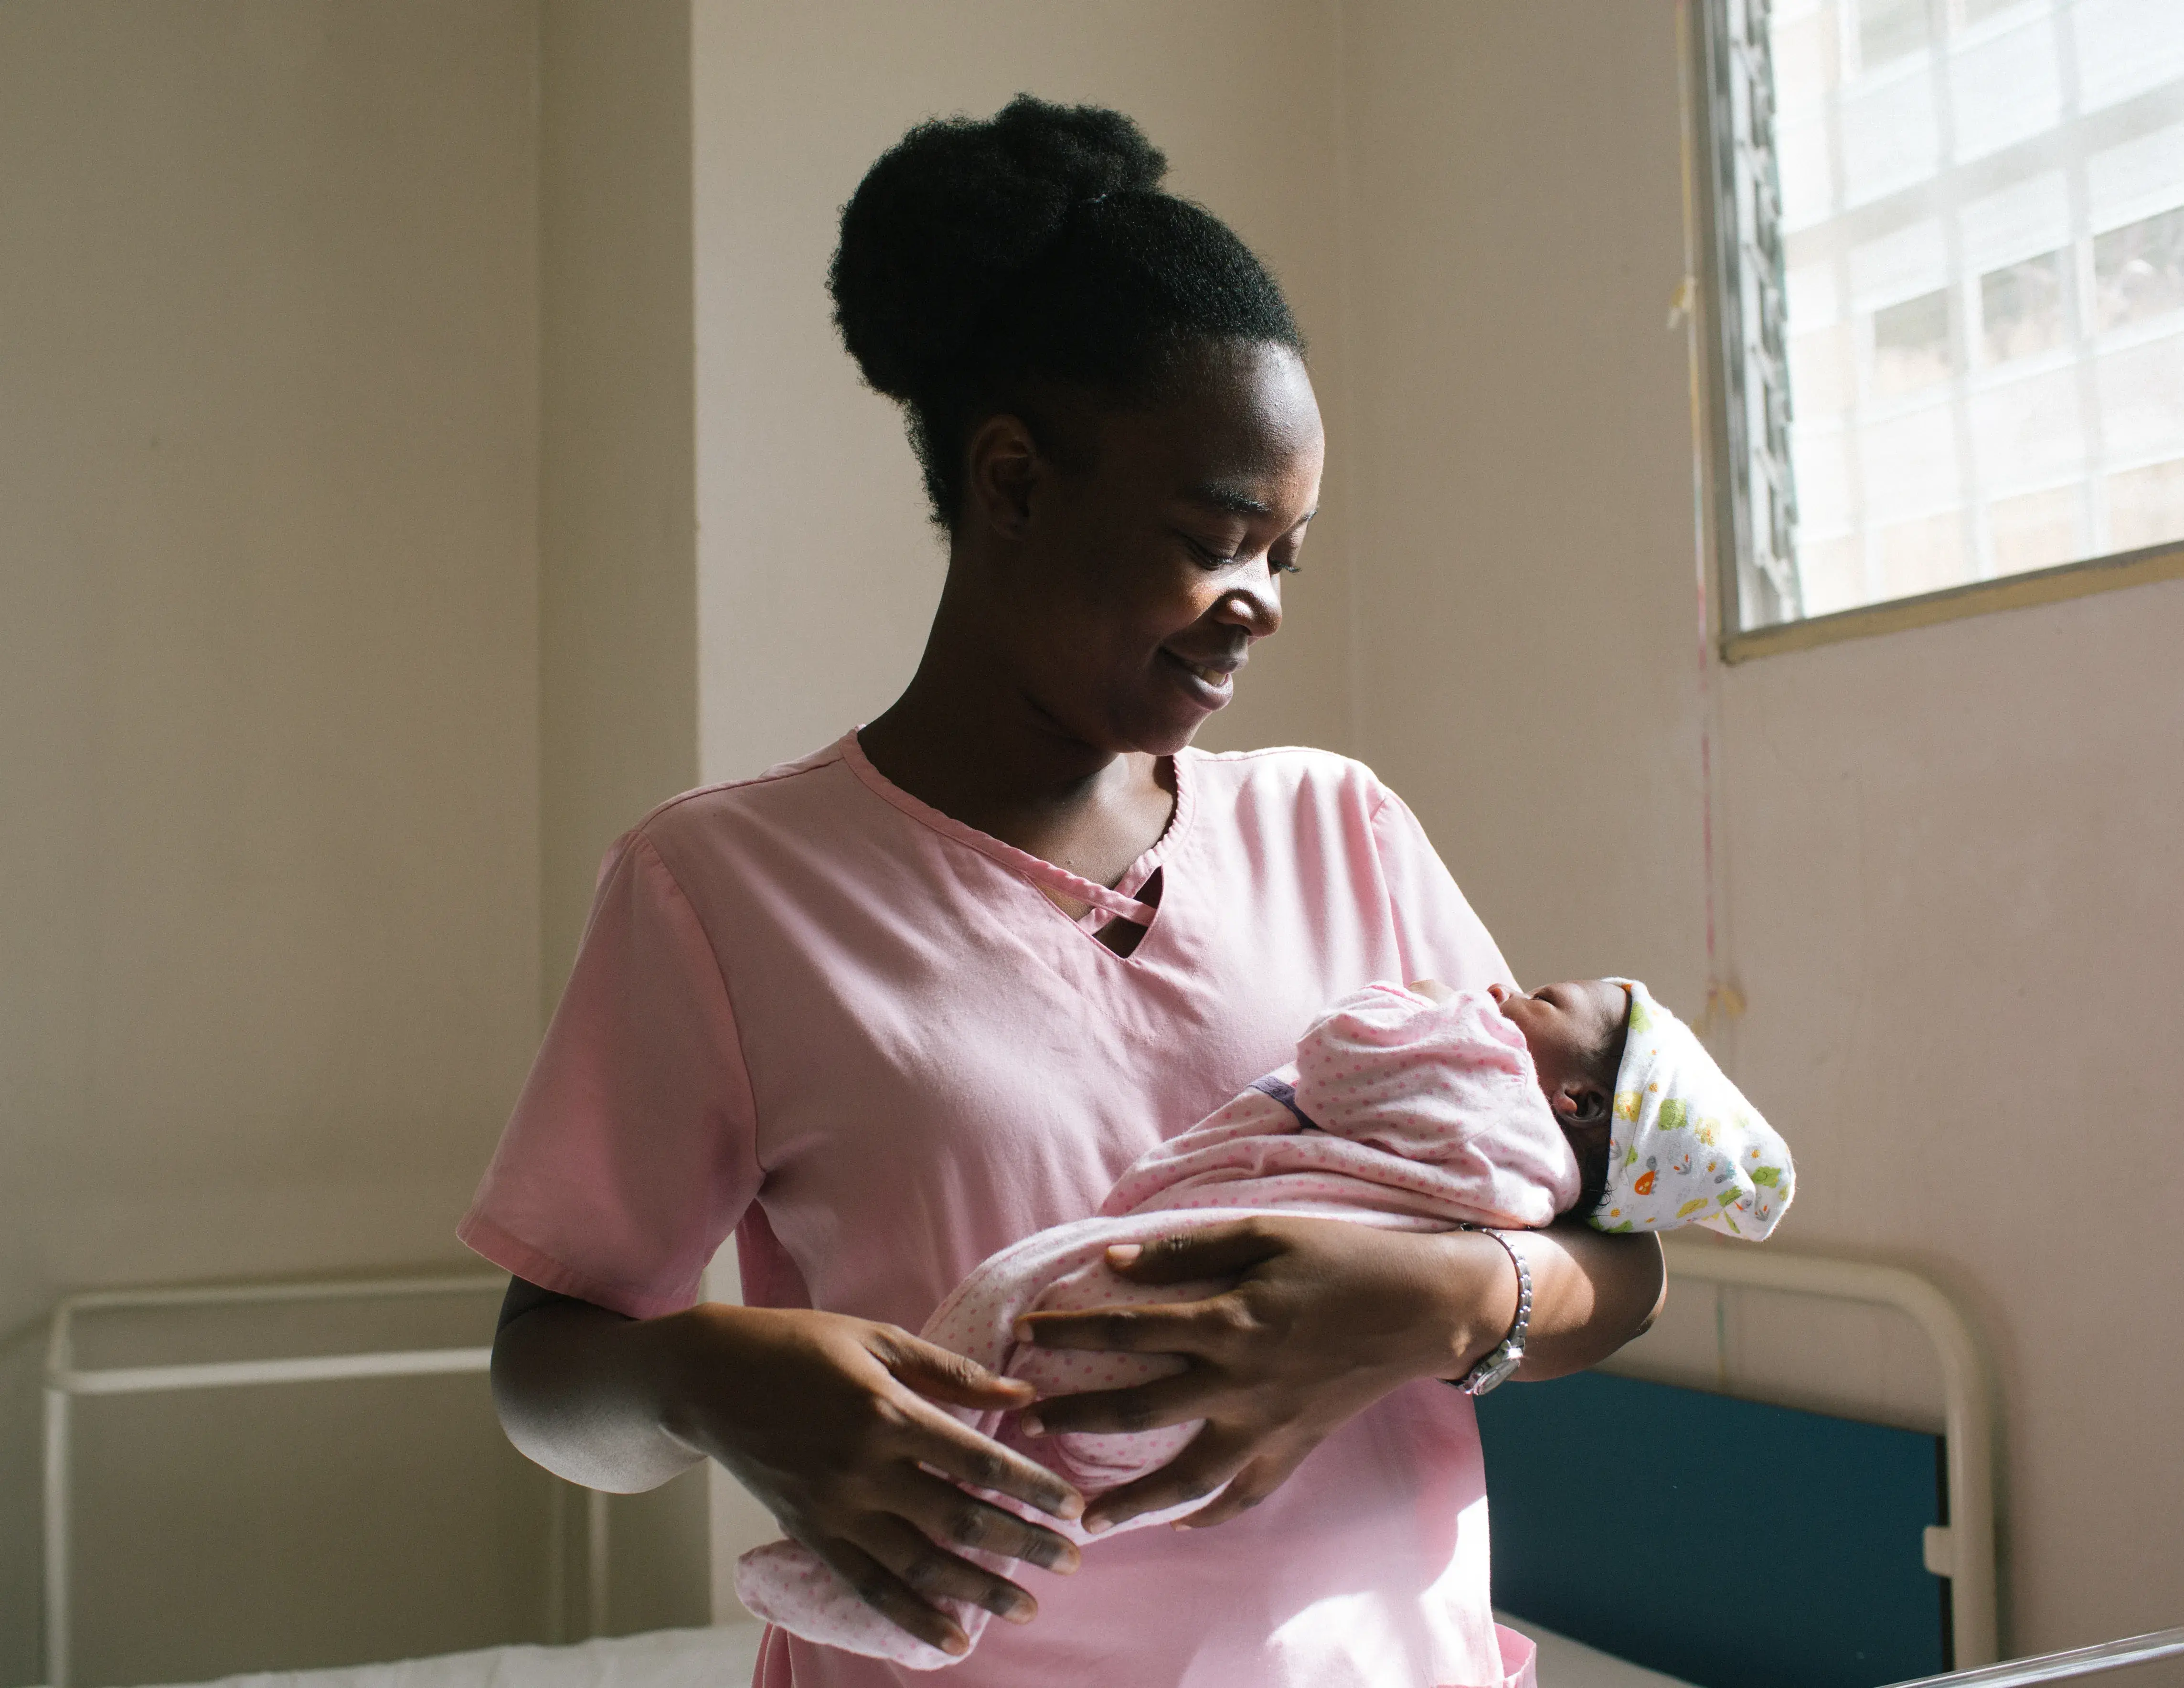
[
  {"x": 1564, "y": 1663},
  {"x": 723, "y": 1658}
]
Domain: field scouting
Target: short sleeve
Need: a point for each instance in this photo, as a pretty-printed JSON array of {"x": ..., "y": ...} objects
[
  {"x": 1440, "y": 937},
  {"x": 630, "y": 1156}
]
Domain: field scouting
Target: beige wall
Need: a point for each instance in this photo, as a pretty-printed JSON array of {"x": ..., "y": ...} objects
[
  {"x": 818, "y": 571},
  {"x": 617, "y": 552},
  {"x": 618, "y": 582},
  {"x": 1946, "y": 860},
  {"x": 269, "y": 654}
]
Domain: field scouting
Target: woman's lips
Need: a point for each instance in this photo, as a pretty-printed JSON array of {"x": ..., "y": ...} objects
[{"x": 1213, "y": 682}]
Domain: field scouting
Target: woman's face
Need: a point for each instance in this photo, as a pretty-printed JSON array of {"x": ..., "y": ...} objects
[{"x": 1146, "y": 559}]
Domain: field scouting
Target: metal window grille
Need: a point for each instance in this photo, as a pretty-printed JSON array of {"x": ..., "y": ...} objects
[{"x": 1752, "y": 359}]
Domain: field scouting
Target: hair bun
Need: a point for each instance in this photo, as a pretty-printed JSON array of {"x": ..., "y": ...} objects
[{"x": 957, "y": 207}]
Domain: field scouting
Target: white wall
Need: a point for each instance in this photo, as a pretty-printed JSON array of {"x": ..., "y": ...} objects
[
  {"x": 269, "y": 657},
  {"x": 1946, "y": 859}
]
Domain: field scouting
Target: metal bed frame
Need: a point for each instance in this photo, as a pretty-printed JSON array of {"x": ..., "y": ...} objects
[
  {"x": 65, "y": 1382},
  {"x": 1962, "y": 1549},
  {"x": 2062, "y": 1667}
]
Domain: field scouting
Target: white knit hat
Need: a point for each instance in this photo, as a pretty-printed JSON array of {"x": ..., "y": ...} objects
[{"x": 1686, "y": 1149}]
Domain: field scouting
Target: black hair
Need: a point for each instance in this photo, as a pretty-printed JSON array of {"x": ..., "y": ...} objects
[
  {"x": 1601, "y": 1066},
  {"x": 980, "y": 259}
]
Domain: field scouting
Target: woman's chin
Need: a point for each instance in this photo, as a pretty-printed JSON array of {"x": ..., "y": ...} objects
[{"x": 1167, "y": 733}]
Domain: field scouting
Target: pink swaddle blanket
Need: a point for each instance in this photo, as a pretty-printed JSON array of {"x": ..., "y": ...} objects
[{"x": 1400, "y": 1112}]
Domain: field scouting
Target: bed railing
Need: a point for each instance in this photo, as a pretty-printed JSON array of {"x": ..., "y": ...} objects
[
  {"x": 2062, "y": 1667},
  {"x": 1962, "y": 1549},
  {"x": 65, "y": 1381}
]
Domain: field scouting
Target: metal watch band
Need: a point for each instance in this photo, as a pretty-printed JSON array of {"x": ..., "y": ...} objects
[{"x": 1504, "y": 1356}]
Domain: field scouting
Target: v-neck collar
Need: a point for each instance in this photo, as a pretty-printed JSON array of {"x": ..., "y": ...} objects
[{"x": 1037, "y": 870}]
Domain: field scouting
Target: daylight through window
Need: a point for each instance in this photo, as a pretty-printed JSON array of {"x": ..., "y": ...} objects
[{"x": 1952, "y": 289}]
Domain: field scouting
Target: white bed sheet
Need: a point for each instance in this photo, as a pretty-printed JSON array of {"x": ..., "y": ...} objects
[
  {"x": 723, "y": 1658},
  {"x": 1564, "y": 1663}
]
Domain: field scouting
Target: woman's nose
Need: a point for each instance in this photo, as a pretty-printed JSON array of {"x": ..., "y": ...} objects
[{"x": 1253, "y": 603}]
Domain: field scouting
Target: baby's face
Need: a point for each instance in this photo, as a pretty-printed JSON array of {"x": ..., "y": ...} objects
[{"x": 1574, "y": 1029}]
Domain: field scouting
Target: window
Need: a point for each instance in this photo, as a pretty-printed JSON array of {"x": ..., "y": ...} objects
[{"x": 1949, "y": 249}]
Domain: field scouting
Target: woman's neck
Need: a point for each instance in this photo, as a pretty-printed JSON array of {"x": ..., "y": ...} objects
[{"x": 993, "y": 760}]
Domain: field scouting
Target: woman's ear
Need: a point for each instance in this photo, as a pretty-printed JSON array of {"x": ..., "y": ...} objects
[{"x": 1003, "y": 464}]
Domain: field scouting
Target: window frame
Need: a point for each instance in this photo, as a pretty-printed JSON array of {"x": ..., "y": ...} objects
[{"x": 1749, "y": 398}]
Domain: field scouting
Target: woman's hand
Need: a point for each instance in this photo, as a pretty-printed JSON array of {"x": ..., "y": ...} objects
[
  {"x": 1324, "y": 1318},
  {"x": 830, "y": 1421}
]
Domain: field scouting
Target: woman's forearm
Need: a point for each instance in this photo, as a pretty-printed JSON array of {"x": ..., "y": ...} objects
[
  {"x": 1592, "y": 1293},
  {"x": 578, "y": 1391}
]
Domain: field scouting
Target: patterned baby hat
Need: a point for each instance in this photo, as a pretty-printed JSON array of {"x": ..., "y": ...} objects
[{"x": 1687, "y": 1149}]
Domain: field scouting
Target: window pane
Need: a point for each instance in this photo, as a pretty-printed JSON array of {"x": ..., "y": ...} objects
[
  {"x": 2021, "y": 308},
  {"x": 1889, "y": 28},
  {"x": 2138, "y": 269},
  {"x": 2146, "y": 506},
  {"x": 2035, "y": 530},
  {"x": 1911, "y": 343},
  {"x": 1977, "y": 238}
]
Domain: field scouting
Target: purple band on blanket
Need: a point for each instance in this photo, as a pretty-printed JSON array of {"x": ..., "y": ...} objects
[{"x": 1285, "y": 1092}]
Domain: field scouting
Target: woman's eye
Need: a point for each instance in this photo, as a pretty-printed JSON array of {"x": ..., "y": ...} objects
[
  {"x": 1212, "y": 557},
  {"x": 1288, "y": 568}
]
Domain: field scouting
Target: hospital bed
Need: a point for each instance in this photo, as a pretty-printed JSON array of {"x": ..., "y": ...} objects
[
  {"x": 723, "y": 1656},
  {"x": 1709, "y": 1343}
]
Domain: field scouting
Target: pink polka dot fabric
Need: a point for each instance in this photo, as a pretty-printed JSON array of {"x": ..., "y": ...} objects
[{"x": 1409, "y": 1114}]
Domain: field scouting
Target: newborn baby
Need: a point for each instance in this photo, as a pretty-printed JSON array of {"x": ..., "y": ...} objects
[{"x": 1408, "y": 1107}]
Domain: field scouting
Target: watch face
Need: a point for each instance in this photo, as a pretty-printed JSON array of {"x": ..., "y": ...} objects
[{"x": 1498, "y": 1372}]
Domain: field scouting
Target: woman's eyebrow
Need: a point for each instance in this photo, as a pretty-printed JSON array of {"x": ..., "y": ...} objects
[{"x": 1229, "y": 499}]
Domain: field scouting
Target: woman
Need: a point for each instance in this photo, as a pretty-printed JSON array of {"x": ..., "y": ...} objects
[{"x": 886, "y": 1010}]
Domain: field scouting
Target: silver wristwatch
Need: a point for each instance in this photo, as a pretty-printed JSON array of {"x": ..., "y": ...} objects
[{"x": 1506, "y": 1356}]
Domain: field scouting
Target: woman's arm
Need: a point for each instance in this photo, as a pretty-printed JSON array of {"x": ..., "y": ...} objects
[
  {"x": 1325, "y": 1318},
  {"x": 1592, "y": 1293},
  {"x": 828, "y": 1420}
]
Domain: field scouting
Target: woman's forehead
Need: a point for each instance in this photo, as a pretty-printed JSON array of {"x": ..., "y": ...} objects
[{"x": 1240, "y": 435}]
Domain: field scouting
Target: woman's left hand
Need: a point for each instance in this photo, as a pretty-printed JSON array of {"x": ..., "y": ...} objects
[{"x": 1325, "y": 1317}]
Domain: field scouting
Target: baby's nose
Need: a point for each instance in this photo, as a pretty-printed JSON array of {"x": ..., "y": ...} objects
[{"x": 1500, "y": 993}]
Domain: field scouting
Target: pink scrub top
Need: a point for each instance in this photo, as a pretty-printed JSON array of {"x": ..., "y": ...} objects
[{"x": 814, "y": 1012}]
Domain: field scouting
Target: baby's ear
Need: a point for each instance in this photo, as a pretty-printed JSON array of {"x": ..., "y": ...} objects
[{"x": 1581, "y": 1105}]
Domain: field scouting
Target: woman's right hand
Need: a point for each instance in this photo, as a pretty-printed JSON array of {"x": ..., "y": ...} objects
[{"x": 831, "y": 1421}]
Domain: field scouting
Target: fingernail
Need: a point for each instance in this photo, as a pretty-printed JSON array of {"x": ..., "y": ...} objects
[
  {"x": 1122, "y": 1254},
  {"x": 1029, "y": 1424},
  {"x": 1073, "y": 1508},
  {"x": 1021, "y": 1330},
  {"x": 1099, "y": 1527},
  {"x": 958, "y": 1643}
]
